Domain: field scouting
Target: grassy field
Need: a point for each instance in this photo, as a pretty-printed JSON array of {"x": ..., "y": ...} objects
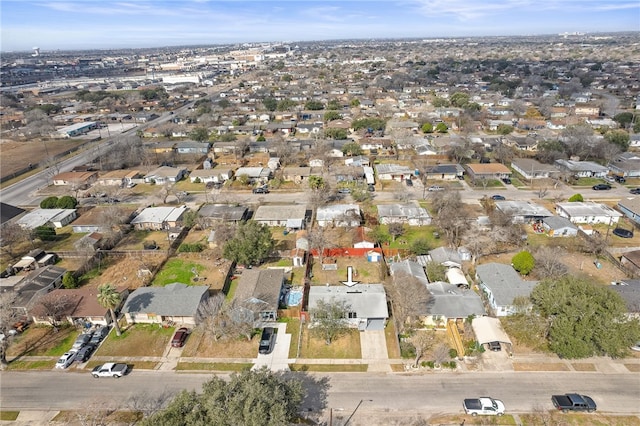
[
  {"x": 213, "y": 366},
  {"x": 32, "y": 365},
  {"x": 43, "y": 341},
  {"x": 137, "y": 340},
  {"x": 345, "y": 347},
  {"x": 293, "y": 328},
  {"x": 9, "y": 415},
  {"x": 200, "y": 345},
  {"x": 327, "y": 368},
  {"x": 141, "y": 365}
]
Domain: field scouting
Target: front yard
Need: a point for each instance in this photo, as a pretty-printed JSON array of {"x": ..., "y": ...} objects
[{"x": 137, "y": 340}]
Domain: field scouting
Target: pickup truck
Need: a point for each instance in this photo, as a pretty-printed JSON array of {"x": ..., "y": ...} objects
[
  {"x": 573, "y": 402},
  {"x": 483, "y": 406},
  {"x": 110, "y": 369}
]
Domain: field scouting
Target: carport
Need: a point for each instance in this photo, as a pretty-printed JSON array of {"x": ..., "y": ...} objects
[{"x": 489, "y": 329}]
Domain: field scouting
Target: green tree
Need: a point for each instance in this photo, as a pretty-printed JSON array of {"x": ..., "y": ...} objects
[
  {"x": 69, "y": 281},
  {"x": 624, "y": 119},
  {"x": 287, "y": 78},
  {"x": 224, "y": 103},
  {"x": 369, "y": 123},
  {"x": 523, "y": 262},
  {"x": 270, "y": 103},
  {"x": 436, "y": 271},
  {"x": 228, "y": 137},
  {"x": 439, "y": 102},
  {"x": 250, "y": 245},
  {"x": 67, "y": 202},
  {"x": 337, "y": 134},
  {"x": 441, "y": 128},
  {"x": 504, "y": 129},
  {"x": 352, "y": 149},
  {"x": 313, "y": 105},
  {"x": 618, "y": 137},
  {"x": 250, "y": 398},
  {"x": 420, "y": 246},
  {"x": 576, "y": 198},
  {"x": 329, "y": 319},
  {"x": 459, "y": 99},
  {"x": 49, "y": 203},
  {"x": 199, "y": 134},
  {"x": 316, "y": 182},
  {"x": 636, "y": 126},
  {"x": 109, "y": 298},
  {"x": 286, "y": 104},
  {"x": 334, "y": 105},
  {"x": 261, "y": 138},
  {"x": 331, "y": 115},
  {"x": 585, "y": 318},
  {"x": 427, "y": 128},
  {"x": 190, "y": 218},
  {"x": 44, "y": 233},
  {"x": 379, "y": 235},
  {"x": 355, "y": 103}
]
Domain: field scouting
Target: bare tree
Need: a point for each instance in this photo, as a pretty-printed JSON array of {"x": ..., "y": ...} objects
[
  {"x": 225, "y": 231},
  {"x": 8, "y": 317},
  {"x": 53, "y": 307},
  {"x": 96, "y": 413},
  {"x": 13, "y": 235},
  {"x": 148, "y": 404},
  {"x": 165, "y": 191},
  {"x": 211, "y": 317},
  {"x": 451, "y": 216},
  {"x": 396, "y": 229},
  {"x": 409, "y": 298},
  {"x": 422, "y": 341},
  {"x": 548, "y": 264},
  {"x": 319, "y": 240},
  {"x": 441, "y": 353}
]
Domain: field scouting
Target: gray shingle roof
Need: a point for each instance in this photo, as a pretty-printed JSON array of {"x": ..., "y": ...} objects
[
  {"x": 174, "y": 299},
  {"x": 504, "y": 282},
  {"x": 452, "y": 302},
  {"x": 262, "y": 285}
]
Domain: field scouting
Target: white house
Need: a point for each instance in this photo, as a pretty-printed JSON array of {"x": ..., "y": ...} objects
[
  {"x": 588, "y": 212},
  {"x": 502, "y": 286},
  {"x": 410, "y": 213},
  {"x": 343, "y": 215}
]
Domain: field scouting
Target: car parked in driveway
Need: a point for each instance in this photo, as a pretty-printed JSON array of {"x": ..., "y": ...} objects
[
  {"x": 99, "y": 335},
  {"x": 601, "y": 187},
  {"x": 82, "y": 340},
  {"x": 85, "y": 353},
  {"x": 66, "y": 359},
  {"x": 435, "y": 188},
  {"x": 180, "y": 337},
  {"x": 267, "y": 340},
  {"x": 506, "y": 180}
]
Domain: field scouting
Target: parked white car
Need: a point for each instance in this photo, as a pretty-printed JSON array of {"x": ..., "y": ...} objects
[{"x": 65, "y": 360}]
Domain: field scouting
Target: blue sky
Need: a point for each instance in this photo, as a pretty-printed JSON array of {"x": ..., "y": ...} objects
[{"x": 89, "y": 24}]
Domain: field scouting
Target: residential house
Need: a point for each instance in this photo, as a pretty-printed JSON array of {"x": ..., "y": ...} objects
[
  {"x": 254, "y": 174},
  {"x": 533, "y": 169},
  {"x": 162, "y": 147},
  {"x": 522, "y": 143},
  {"x": 47, "y": 217},
  {"x": 588, "y": 212},
  {"x": 410, "y": 213},
  {"x": 582, "y": 168},
  {"x": 482, "y": 171},
  {"x": 158, "y": 218},
  {"x": 450, "y": 302},
  {"x": 631, "y": 261},
  {"x": 297, "y": 175},
  {"x": 557, "y": 226},
  {"x": 446, "y": 256},
  {"x": 35, "y": 285},
  {"x": 357, "y": 161},
  {"x": 289, "y": 216},
  {"x": 360, "y": 240},
  {"x": 630, "y": 207},
  {"x": 99, "y": 219},
  {"x": 523, "y": 211},
  {"x": 9, "y": 213},
  {"x": 204, "y": 175},
  {"x": 341, "y": 215},
  {"x": 444, "y": 172},
  {"x": 193, "y": 147},
  {"x": 394, "y": 172},
  {"x": 89, "y": 243},
  {"x": 626, "y": 164},
  {"x": 367, "y": 304},
  {"x": 218, "y": 213},
  {"x": 75, "y": 179},
  {"x": 35, "y": 259},
  {"x": 502, "y": 286},
  {"x": 258, "y": 293},
  {"x": 165, "y": 174},
  {"x": 174, "y": 302},
  {"x": 408, "y": 268},
  {"x": 119, "y": 178},
  {"x": 629, "y": 290}
]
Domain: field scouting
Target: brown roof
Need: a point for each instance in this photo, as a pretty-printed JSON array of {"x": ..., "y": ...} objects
[
  {"x": 77, "y": 176},
  {"x": 633, "y": 257},
  {"x": 488, "y": 168},
  {"x": 86, "y": 301}
]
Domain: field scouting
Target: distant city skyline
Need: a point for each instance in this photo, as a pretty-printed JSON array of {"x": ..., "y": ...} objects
[{"x": 104, "y": 24}]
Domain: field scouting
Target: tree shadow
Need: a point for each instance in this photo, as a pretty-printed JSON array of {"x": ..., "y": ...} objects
[{"x": 315, "y": 400}]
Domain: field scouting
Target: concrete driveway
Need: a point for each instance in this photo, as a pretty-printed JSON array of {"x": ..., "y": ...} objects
[
  {"x": 278, "y": 359},
  {"x": 373, "y": 347}
]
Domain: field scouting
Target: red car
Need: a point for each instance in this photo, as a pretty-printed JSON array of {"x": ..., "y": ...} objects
[{"x": 180, "y": 337}]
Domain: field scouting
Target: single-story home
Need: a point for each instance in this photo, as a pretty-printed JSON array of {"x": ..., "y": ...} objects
[
  {"x": 557, "y": 226},
  {"x": 630, "y": 207},
  {"x": 36, "y": 284},
  {"x": 626, "y": 164},
  {"x": 157, "y": 218},
  {"x": 77, "y": 179},
  {"x": 393, "y": 172},
  {"x": 588, "y": 212},
  {"x": 217, "y": 213},
  {"x": 254, "y": 174},
  {"x": 93, "y": 219},
  {"x": 533, "y": 169},
  {"x": 502, "y": 285},
  {"x": 446, "y": 256},
  {"x": 367, "y": 304},
  {"x": 523, "y": 211},
  {"x": 408, "y": 268},
  {"x": 290, "y": 216},
  {"x": 57, "y": 218},
  {"x": 118, "y": 177},
  {"x": 489, "y": 330},
  {"x": 444, "y": 172},
  {"x": 342, "y": 215},
  {"x": 175, "y": 302},
  {"x": 410, "y": 213},
  {"x": 296, "y": 174},
  {"x": 165, "y": 174},
  {"x": 258, "y": 293},
  {"x": 481, "y": 171},
  {"x": 582, "y": 168},
  {"x": 449, "y": 301}
]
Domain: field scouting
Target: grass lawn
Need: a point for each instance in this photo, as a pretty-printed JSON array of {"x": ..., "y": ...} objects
[
  {"x": 365, "y": 272},
  {"x": 458, "y": 419},
  {"x": 293, "y": 328},
  {"x": 391, "y": 337},
  {"x": 555, "y": 417},
  {"x": 214, "y": 366},
  {"x": 345, "y": 347},
  {"x": 412, "y": 233},
  {"x": 176, "y": 270},
  {"x": 134, "y": 240},
  {"x": 137, "y": 340},
  {"x": 43, "y": 341},
  {"x": 540, "y": 366},
  {"x": 107, "y": 417},
  {"x": 490, "y": 183},
  {"x": 9, "y": 415},
  {"x": 141, "y": 365},
  {"x": 326, "y": 368},
  {"x": 589, "y": 181},
  {"x": 32, "y": 365},
  {"x": 232, "y": 289},
  {"x": 66, "y": 239}
]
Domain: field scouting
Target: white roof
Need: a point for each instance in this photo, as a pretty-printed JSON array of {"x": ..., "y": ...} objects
[
  {"x": 39, "y": 217},
  {"x": 366, "y": 300},
  {"x": 587, "y": 209},
  {"x": 159, "y": 214},
  {"x": 489, "y": 329},
  {"x": 328, "y": 213}
]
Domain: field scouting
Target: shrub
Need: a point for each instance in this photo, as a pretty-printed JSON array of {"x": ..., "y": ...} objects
[
  {"x": 451, "y": 364},
  {"x": 523, "y": 262},
  {"x": 453, "y": 353},
  {"x": 407, "y": 350},
  {"x": 69, "y": 281},
  {"x": 45, "y": 233},
  {"x": 431, "y": 364},
  {"x": 67, "y": 202},
  {"x": 49, "y": 203},
  {"x": 190, "y": 248},
  {"x": 576, "y": 198},
  {"x": 197, "y": 180}
]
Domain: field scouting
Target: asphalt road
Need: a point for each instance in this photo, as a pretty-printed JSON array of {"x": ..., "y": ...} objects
[{"x": 429, "y": 394}]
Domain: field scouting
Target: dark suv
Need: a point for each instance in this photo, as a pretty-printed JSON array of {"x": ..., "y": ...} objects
[
  {"x": 267, "y": 341},
  {"x": 180, "y": 337},
  {"x": 260, "y": 190},
  {"x": 601, "y": 187}
]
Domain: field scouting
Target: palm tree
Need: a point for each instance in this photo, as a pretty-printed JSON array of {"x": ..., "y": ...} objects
[{"x": 109, "y": 298}]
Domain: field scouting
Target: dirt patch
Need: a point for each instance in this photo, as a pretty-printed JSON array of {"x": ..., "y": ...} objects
[
  {"x": 345, "y": 347},
  {"x": 583, "y": 366},
  {"x": 364, "y": 272},
  {"x": 137, "y": 340},
  {"x": 16, "y": 155},
  {"x": 41, "y": 341},
  {"x": 127, "y": 271},
  {"x": 540, "y": 366},
  {"x": 634, "y": 368},
  {"x": 200, "y": 345}
]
